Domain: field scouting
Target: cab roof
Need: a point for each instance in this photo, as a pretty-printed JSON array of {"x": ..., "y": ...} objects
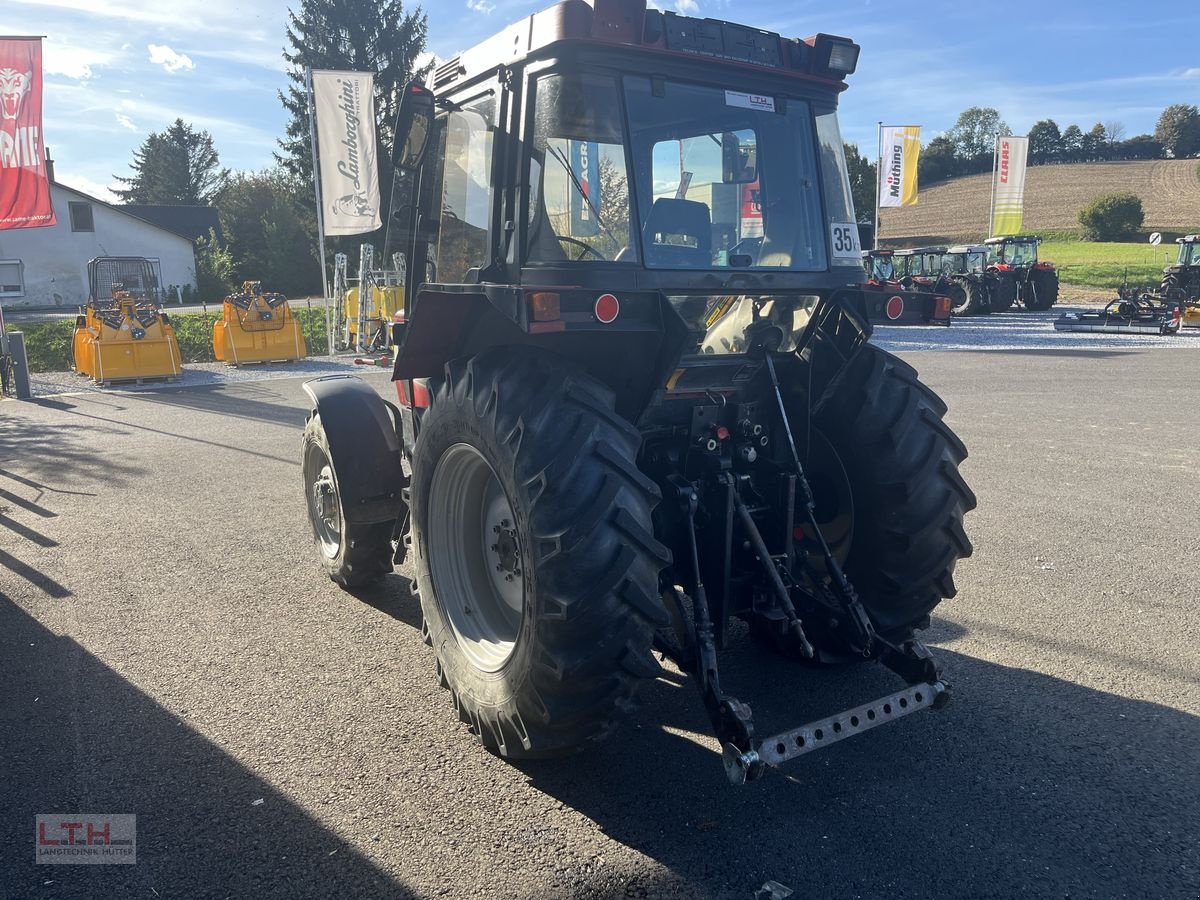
[
  {"x": 1188, "y": 239},
  {"x": 969, "y": 248},
  {"x": 823, "y": 58},
  {"x": 913, "y": 251},
  {"x": 1014, "y": 239}
]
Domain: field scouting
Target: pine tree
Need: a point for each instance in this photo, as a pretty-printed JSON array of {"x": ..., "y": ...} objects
[
  {"x": 177, "y": 167},
  {"x": 376, "y": 36}
]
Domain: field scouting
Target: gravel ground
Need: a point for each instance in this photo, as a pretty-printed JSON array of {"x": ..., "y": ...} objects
[{"x": 169, "y": 649}]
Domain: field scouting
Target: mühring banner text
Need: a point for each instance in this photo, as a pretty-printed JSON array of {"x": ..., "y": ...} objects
[
  {"x": 345, "y": 108},
  {"x": 899, "y": 153},
  {"x": 24, "y": 182},
  {"x": 1008, "y": 185}
]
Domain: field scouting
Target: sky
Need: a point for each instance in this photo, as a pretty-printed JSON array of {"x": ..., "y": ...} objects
[{"x": 115, "y": 70}]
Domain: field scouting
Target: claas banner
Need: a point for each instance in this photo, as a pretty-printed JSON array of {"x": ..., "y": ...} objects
[
  {"x": 1008, "y": 185},
  {"x": 899, "y": 153},
  {"x": 24, "y": 182}
]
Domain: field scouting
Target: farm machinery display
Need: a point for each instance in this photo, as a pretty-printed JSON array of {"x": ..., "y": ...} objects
[
  {"x": 1034, "y": 281},
  {"x": 615, "y": 436},
  {"x": 123, "y": 336},
  {"x": 367, "y": 309},
  {"x": 889, "y": 302},
  {"x": 984, "y": 289},
  {"x": 1130, "y": 313},
  {"x": 257, "y": 327}
]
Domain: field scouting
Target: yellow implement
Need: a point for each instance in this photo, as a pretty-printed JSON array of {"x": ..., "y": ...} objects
[
  {"x": 123, "y": 336},
  {"x": 385, "y": 302},
  {"x": 257, "y": 328}
]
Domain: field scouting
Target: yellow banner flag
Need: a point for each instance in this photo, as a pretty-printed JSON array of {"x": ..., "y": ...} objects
[
  {"x": 1008, "y": 185},
  {"x": 899, "y": 153}
]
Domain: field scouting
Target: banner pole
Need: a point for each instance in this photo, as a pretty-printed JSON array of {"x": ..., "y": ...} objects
[
  {"x": 879, "y": 175},
  {"x": 316, "y": 172},
  {"x": 992, "y": 203}
]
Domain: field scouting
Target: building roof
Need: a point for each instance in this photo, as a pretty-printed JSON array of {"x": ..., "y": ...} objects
[{"x": 190, "y": 222}]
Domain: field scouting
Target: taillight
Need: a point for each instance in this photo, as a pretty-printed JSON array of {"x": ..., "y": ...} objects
[
  {"x": 895, "y": 307},
  {"x": 544, "y": 306},
  {"x": 941, "y": 307},
  {"x": 607, "y": 308}
]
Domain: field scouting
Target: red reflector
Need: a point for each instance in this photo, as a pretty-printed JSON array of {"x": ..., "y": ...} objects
[
  {"x": 797, "y": 533},
  {"x": 895, "y": 307},
  {"x": 607, "y": 308},
  {"x": 722, "y": 433}
]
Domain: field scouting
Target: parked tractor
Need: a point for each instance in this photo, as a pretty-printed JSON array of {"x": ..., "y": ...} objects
[
  {"x": 1034, "y": 281},
  {"x": 921, "y": 268},
  {"x": 621, "y": 429},
  {"x": 889, "y": 302},
  {"x": 984, "y": 288},
  {"x": 1181, "y": 282}
]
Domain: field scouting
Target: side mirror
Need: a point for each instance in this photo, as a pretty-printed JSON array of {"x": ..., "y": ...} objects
[
  {"x": 739, "y": 158},
  {"x": 414, "y": 121}
]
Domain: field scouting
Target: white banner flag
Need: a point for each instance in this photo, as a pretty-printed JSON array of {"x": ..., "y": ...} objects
[
  {"x": 345, "y": 107},
  {"x": 1008, "y": 185},
  {"x": 899, "y": 153}
]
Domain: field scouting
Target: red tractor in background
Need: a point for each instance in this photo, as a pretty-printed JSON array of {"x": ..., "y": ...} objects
[
  {"x": 1036, "y": 281},
  {"x": 899, "y": 303}
]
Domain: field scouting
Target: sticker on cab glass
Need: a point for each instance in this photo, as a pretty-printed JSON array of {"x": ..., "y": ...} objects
[
  {"x": 750, "y": 101},
  {"x": 843, "y": 243}
]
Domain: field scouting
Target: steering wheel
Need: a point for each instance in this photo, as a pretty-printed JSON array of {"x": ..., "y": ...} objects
[{"x": 587, "y": 248}]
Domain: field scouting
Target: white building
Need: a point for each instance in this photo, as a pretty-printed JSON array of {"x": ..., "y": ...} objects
[{"x": 48, "y": 266}]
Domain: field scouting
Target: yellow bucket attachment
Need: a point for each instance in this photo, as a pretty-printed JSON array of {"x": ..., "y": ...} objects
[
  {"x": 125, "y": 341},
  {"x": 385, "y": 302},
  {"x": 256, "y": 328}
]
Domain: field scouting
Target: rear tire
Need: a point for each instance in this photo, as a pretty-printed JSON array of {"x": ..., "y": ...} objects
[
  {"x": 1045, "y": 290},
  {"x": 909, "y": 500},
  {"x": 352, "y": 555},
  {"x": 578, "y": 568}
]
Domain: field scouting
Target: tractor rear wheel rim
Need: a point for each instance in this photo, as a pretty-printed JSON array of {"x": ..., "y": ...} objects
[
  {"x": 324, "y": 505},
  {"x": 475, "y": 558}
]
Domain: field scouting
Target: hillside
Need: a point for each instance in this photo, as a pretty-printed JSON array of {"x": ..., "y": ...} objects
[{"x": 957, "y": 210}]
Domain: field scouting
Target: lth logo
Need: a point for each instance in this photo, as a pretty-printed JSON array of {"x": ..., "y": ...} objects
[{"x": 86, "y": 839}]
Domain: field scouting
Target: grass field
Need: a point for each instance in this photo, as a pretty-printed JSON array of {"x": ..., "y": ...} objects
[{"x": 1106, "y": 265}]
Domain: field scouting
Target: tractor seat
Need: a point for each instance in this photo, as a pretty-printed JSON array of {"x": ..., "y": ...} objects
[{"x": 678, "y": 234}]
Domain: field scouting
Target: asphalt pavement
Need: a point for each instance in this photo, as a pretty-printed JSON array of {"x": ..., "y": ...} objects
[{"x": 170, "y": 649}]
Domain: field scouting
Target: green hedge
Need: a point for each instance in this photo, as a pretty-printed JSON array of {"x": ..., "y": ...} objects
[{"x": 48, "y": 344}]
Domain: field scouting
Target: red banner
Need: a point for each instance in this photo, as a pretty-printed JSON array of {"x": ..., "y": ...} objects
[{"x": 24, "y": 183}]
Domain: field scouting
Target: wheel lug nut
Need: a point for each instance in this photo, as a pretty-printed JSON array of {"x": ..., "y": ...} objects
[{"x": 495, "y": 548}]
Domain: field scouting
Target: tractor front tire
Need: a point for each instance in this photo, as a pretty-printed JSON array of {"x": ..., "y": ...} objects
[
  {"x": 901, "y": 460},
  {"x": 535, "y": 554},
  {"x": 353, "y": 555},
  {"x": 1004, "y": 294}
]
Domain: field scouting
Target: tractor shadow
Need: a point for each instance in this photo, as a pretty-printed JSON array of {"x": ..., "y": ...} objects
[
  {"x": 76, "y": 737},
  {"x": 1025, "y": 785}
]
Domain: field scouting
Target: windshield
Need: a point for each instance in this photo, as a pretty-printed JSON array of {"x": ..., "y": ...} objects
[
  {"x": 1189, "y": 254},
  {"x": 882, "y": 268},
  {"x": 1020, "y": 254},
  {"x": 723, "y": 179}
]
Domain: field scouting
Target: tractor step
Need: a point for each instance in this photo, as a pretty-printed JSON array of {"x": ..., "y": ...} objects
[{"x": 742, "y": 767}]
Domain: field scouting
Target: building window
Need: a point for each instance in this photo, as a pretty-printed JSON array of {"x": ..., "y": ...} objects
[
  {"x": 12, "y": 278},
  {"x": 81, "y": 217}
]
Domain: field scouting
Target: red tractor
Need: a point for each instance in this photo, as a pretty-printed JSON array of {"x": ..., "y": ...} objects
[
  {"x": 1016, "y": 259},
  {"x": 889, "y": 302}
]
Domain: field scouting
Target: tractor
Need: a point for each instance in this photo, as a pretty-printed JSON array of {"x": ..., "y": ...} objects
[
  {"x": 921, "y": 268},
  {"x": 1181, "y": 282},
  {"x": 637, "y": 416},
  {"x": 1034, "y": 281},
  {"x": 984, "y": 288},
  {"x": 890, "y": 302}
]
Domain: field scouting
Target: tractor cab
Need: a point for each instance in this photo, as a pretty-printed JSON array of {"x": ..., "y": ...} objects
[
  {"x": 880, "y": 266},
  {"x": 919, "y": 265},
  {"x": 1014, "y": 252},
  {"x": 1181, "y": 282}
]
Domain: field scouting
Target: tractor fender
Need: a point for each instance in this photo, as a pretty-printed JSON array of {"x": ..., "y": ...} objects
[{"x": 363, "y": 447}]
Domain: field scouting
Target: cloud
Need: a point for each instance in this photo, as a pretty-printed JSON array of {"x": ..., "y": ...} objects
[
  {"x": 90, "y": 187},
  {"x": 162, "y": 55},
  {"x": 125, "y": 122},
  {"x": 480, "y": 6},
  {"x": 687, "y": 7},
  {"x": 71, "y": 60},
  {"x": 1191, "y": 73}
]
